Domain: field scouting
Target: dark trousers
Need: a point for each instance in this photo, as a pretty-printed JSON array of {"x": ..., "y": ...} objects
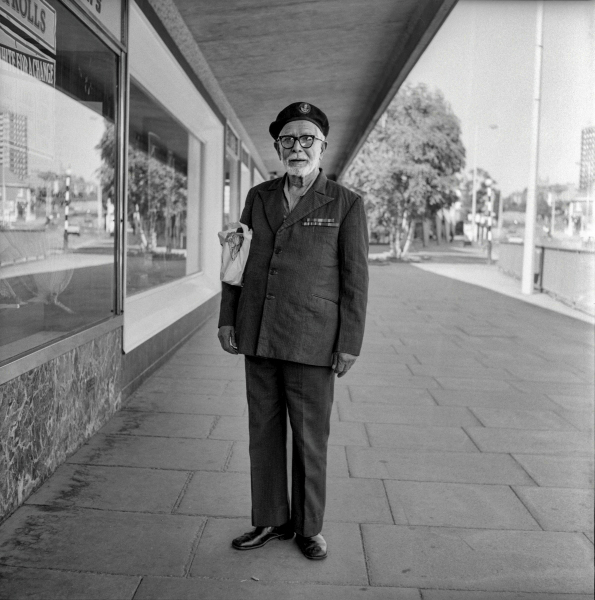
[{"x": 276, "y": 388}]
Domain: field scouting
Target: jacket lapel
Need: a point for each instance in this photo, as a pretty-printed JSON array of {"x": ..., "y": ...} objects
[
  {"x": 272, "y": 200},
  {"x": 314, "y": 198}
]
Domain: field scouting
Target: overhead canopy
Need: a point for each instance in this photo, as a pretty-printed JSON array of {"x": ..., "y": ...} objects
[{"x": 348, "y": 57}]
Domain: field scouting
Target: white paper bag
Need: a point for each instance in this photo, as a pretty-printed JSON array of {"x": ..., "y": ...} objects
[{"x": 234, "y": 253}]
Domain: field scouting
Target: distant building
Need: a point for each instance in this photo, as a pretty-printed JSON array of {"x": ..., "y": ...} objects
[
  {"x": 587, "y": 173},
  {"x": 13, "y": 143}
]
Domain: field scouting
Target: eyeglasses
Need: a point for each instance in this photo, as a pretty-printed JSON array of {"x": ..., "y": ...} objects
[{"x": 306, "y": 141}]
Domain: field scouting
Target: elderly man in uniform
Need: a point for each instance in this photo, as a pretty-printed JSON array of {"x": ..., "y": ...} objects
[{"x": 299, "y": 320}]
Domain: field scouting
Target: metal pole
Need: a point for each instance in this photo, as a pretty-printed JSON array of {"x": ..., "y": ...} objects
[
  {"x": 500, "y": 216},
  {"x": 490, "y": 221},
  {"x": 553, "y": 203},
  {"x": 527, "y": 282},
  {"x": 66, "y": 207}
]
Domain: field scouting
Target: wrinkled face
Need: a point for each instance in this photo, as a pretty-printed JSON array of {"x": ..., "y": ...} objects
[{"x": 300, "y": 161}]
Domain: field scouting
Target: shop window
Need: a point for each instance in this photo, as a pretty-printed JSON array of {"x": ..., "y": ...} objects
[
  {"x": 163, "y": 196},
  {"x": 57, "y": 157}
]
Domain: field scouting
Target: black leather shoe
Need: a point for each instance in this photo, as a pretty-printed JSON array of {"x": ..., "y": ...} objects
[
  {"x": 259, "y": 536},
  {"x": 313, "y": 547}
]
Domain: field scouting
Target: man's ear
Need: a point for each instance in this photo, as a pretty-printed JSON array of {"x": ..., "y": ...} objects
[{"x": 276, "y": 146}]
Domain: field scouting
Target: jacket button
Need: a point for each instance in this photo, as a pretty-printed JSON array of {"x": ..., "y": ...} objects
[
  {"x": 273, "y": 271},
  {"x": 270, "y": 297},
  {"x": 277, "y": 250}
]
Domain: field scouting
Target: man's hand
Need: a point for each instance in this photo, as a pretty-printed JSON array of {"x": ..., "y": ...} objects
[
  {"x": 227, "y": 338},
  {"x": 342, "y": 362}
]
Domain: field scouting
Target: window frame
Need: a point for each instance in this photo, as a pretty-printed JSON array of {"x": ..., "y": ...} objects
[{"x": 37, "y": 356}]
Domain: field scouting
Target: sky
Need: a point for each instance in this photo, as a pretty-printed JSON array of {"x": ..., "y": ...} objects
[{"x": 482, "y": 59}]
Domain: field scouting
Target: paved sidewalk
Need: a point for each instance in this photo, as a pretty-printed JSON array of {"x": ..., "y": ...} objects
[{"x": 460, "y": 468}]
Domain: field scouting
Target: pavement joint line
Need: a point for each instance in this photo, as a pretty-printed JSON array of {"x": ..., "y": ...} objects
[
  {"x": 194, "y": 549},
  {"x": 136, "y": 588},
  {"x": 366, "y": 562},
  {"x": 588, "y": 540},
  {"x": 367, "y": 435},
  {"x": 178, "y": 501},
  {"x": 128, "y": 466},
  {"x": 214, "y": 425},
  {"x": 523, "y": 469},
  {"x": 349, "y": 474},
  {"x": 512, "y": 487},
  {"x": 390, "y": 505},
  {"x": 228, "y": 457}
]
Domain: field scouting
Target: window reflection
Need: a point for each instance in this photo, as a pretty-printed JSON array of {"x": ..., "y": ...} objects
[
  {"x": 56, "y": 275},
  {"x": 158, "y": 229}
]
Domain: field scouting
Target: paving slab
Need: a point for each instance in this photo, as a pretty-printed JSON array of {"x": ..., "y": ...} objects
[
  {"x": 42, "y": 584},
  {"x": 463, "y": 372},
  {"x": 158, "y": 588},
  {"x": 480, "y": 385},
  {"x": 398, "y": 380},
  {"x": 152, "y": 452},
  {"x": 448, "y": 467},
  {"x": 559, "y": 389},
  {"x": 372, "y": 369},
  {"x": 558, "y": 471},
  {"x": 521, "y": 419},
  {"x": 439, "y": 416},
  {"x": 172, "y": 386},
  {"x": 583, "y": 420},
  {"x": 98, "y": 541},
  {"x": 424, "y": 439},
  {"x": 112, "y": 488},
  {"x": 348, "y": 434},
  {"x": 479, "y": 595},
  {"x": 186, "y": 403},
  {"x": 543, "y": 374},
  {"x": 473, "y": 559},
  {"x": 573, "y": 402},
  {"x": 281, "y": 560},
  {"x": 559, "y": 509},
  {"x": 459, "y": 505},
  {"x": 193, "y": 372},
  {"x": 181, "y": 357},
  {"x": 376, "y": 360},
  {"x": 513, "y": 399},
  {"x": 358, "y": 501},
  {"x": 525, "y": 441},
  {"x": 217, "y": 494},
  {"x": 134, "y": 422},
  {"x": 230, "y": 428},
  {"x": 390, "y": 395}
]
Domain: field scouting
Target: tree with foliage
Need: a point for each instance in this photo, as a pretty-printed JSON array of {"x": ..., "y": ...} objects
[{"x": 407, "y": 168}]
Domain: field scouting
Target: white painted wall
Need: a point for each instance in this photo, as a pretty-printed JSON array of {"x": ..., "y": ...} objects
[{"x": 154, "y": 67}]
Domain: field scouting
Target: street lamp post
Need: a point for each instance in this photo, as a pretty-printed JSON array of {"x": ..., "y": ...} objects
[{"x": 488, "y": 183}]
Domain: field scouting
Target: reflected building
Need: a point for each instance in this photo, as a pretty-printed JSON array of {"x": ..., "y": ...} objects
[
  {"x": 587, "y": 167},
  {"x": 13, "y": 143}
]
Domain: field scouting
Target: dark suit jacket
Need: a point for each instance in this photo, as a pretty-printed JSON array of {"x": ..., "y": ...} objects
[{"x": 305, "y": 285}]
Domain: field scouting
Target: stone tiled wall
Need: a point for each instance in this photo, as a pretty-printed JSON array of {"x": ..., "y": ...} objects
[{"x": 48, "y": 412}]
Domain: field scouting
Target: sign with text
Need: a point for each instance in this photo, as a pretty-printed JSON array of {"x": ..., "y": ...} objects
[
  {"x": 25, "y": 58},
  {"x": 107, "y": 12},
  {"x": 35, "y": 17}
]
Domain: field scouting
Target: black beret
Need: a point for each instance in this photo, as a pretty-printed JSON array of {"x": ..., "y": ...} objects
[{"x": 299, "y": 111}]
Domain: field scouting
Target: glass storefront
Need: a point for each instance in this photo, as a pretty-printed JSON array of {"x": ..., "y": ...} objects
[
  {"x": 58, "y": 154},
  {"x": 163, "y": 163}
]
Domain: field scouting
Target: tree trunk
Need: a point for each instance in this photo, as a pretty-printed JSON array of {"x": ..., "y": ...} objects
[
  {"x": 410, "y": 234},
  {"x": 426, "y": 231},
  {"x": 395, "y": 241}
]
